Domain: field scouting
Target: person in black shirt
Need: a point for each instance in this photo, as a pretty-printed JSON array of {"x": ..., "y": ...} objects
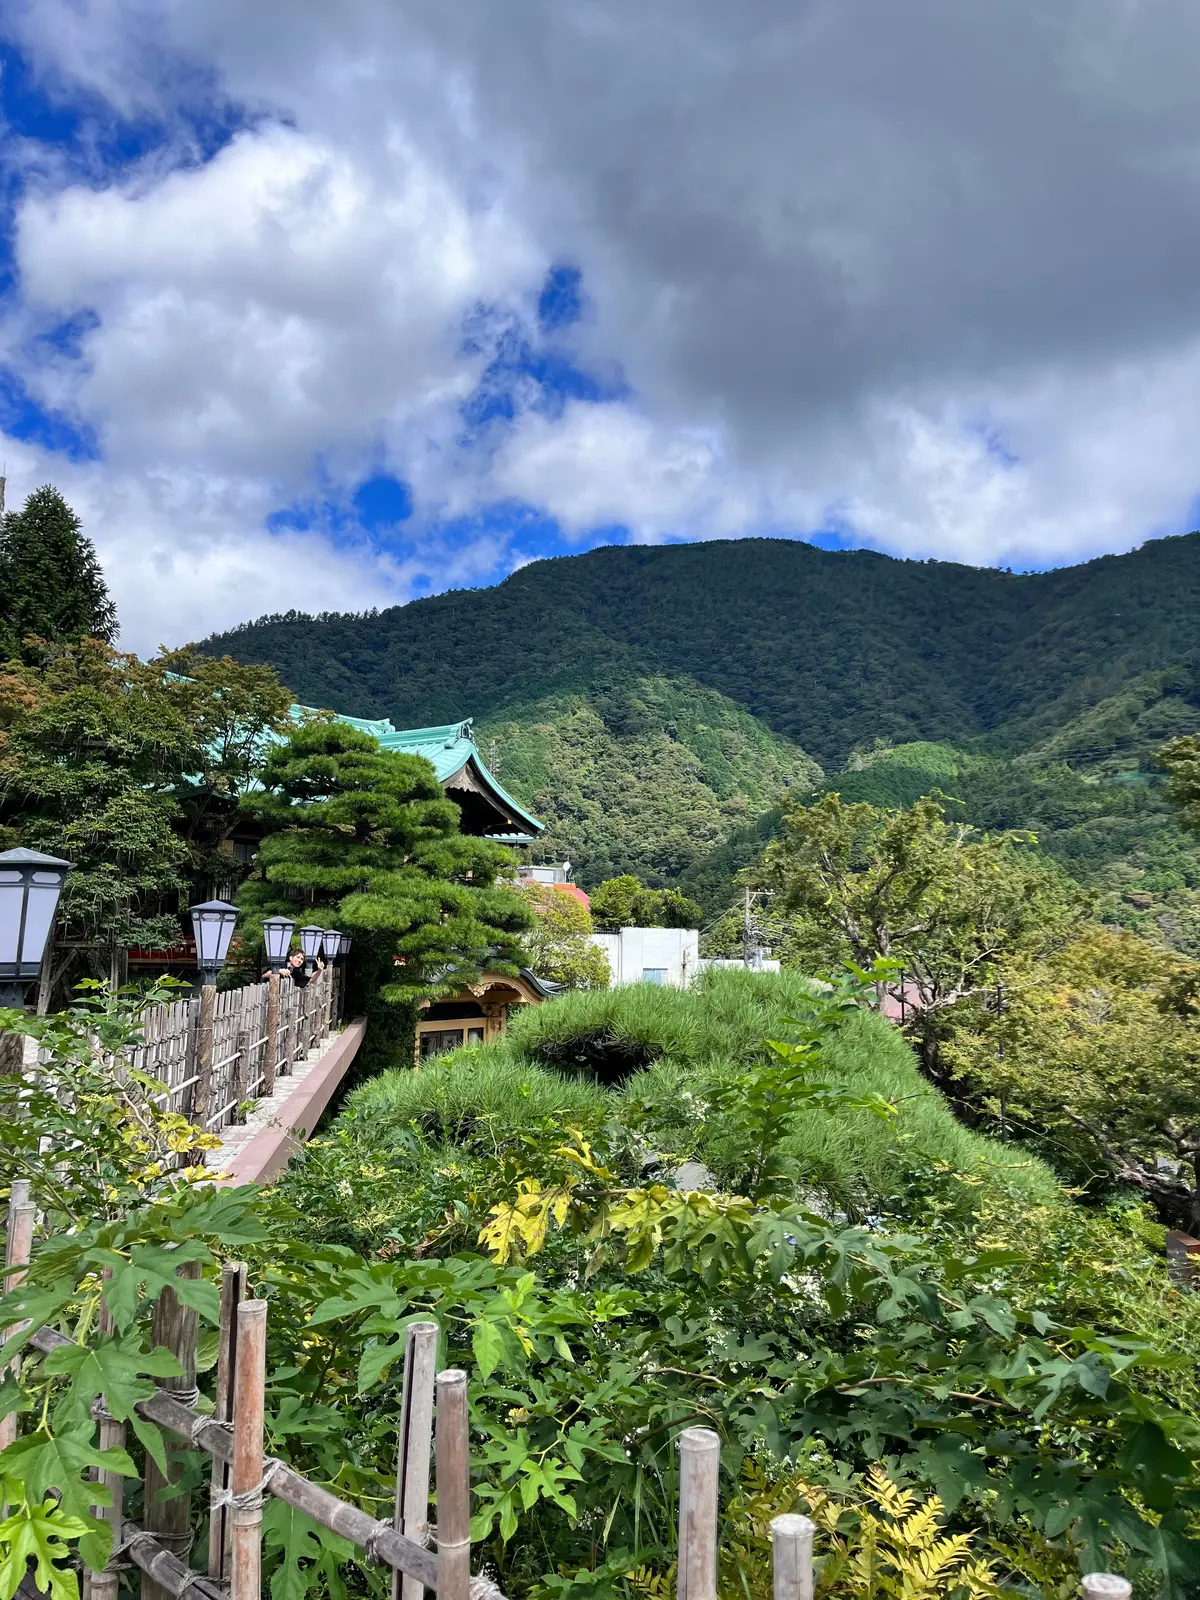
[{"x": 297, "y": 970}]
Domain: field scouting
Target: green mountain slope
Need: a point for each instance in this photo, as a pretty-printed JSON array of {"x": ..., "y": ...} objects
[
  {"x": 645, "y": 776},
  {"x": 1113, "y": 834},
  {"x": 653, "y": 704},
  {"x": 830, "y": 649}
]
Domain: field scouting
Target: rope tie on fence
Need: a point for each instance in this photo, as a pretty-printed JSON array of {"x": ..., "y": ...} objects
[
  {"x": 185, "y": 1397},
  {"x": 198, "y": 1426},
  {"x": 157, "y": 1541},
  {"x": 100, "y": 1412},
  {"x": 248, "y": 1499}
]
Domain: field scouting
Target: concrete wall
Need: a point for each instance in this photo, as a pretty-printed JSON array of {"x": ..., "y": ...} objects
[{"x": 633, "y": 953}]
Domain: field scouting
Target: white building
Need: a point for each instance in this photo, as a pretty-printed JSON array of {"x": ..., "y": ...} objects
[
  {"x": 651, "y": 955},
  {"x": 758, "y": 963}
]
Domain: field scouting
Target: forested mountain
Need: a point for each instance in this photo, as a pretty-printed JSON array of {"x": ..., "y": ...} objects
[{"x": 651, "y": 703}]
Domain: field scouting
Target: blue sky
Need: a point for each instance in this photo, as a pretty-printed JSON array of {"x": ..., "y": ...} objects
[{"x": 329, "y": 308}]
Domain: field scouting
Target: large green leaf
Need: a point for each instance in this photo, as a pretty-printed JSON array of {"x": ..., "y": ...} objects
[
  {"x": 38, "y": 1533},
  {"x": 119, "y": 1369},
  {"x": 44, "y": 1463}
]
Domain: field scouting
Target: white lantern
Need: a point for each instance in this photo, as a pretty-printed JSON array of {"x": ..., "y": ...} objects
[
  {"x": 310, "y": 941},
  {"x": 213, "y": 923},
  {"x": 277, "y": 937},
  {"x": 331, "y": 944},
  {"x": 30, "y": 884}
]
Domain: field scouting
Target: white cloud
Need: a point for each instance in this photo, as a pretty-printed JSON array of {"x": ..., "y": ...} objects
[{"x": 924, "y": 271}]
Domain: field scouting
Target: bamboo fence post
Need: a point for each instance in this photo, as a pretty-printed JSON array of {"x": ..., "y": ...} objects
[
  {"x": 792, "y": 1557},
  {"x": 105, "y": 1585},
  {"x": 241, "y": 1074},
  {"x": 18, "y": 1247},
  {"x": 330, "y": 979},
  {"x": 249, "y": 1392},
  {"x": 233, "y": 1292},
  {"x": 170, "y": 1521},
  {"x": 204, "y": 1054},
  {"x": 699, "y": 1459},
  {"x": 453, "y": 1488},
  {"x": 1105, "y": 1586},
  {"x": 271, "y": 1048},
  {"x": 412, "y": 1454}
]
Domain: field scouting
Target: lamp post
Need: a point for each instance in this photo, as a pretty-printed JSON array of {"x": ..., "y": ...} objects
[
  {"x": 213, "y": 923},
  {"x": 331, "y": 944},
  {"x": 311, "y": 939},
  {"x": 277, "y": 937},
  {"x": 30, "y": 884}
]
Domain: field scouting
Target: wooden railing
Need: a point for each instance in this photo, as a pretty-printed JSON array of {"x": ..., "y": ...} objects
[{"x": 217, "y": 1050}]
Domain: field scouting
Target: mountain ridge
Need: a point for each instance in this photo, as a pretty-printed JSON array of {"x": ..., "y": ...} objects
[{"x": 827, "y": 647}]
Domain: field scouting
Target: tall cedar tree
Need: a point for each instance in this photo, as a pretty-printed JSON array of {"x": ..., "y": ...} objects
[
  {"x": 133, "y": 773},
  {"x": 51, "y": 584},
  {"x": 364, "y": 840}
]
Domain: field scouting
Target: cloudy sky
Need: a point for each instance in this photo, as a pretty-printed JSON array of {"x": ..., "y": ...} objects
[{"x": 327, "y": 305}]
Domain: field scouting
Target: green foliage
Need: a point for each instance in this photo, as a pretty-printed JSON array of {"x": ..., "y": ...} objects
[
  {"x": 51, "y": 585},
  {"x": 90, "y": 1132},
  {"x": 1096, "y": 1053},
  {"x": 99, "y": 1152},
  {"x": 831, "y": 649},
  {"x": 971, "y": 1369},
  {"x": 367, "y": 838},
  {"x": 802, "y": 1335},
  {"x": 132, "y": 772},
  {"x": 1180, "y": 759},
  {"x": 944, "y": 902},
  {"x": 625, "y": 902},
  {"x": 641, "y": 777},
  {"x": 1112, "y": 830},
  {"x": 557, "y": 945}
]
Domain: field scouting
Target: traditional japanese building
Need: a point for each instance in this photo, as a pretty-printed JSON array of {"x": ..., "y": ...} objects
[
  {"x": 479, "y": 1013},
  {"x": 488, "y": 811}
]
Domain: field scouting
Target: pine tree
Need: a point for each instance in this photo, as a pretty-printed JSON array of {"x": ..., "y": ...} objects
[
  {"x": 365, "y": 840},
  {"x": 51, "y": 583}
]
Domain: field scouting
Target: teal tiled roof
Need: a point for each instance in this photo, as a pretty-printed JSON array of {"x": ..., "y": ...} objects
[{"x": 448, "y": 749}]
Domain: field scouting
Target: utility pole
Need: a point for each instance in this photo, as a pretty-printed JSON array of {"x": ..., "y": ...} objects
[{"x": 746, "y": 933}]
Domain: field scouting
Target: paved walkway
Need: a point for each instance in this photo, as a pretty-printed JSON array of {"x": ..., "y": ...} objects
[{"x": 258, "y": 1149}]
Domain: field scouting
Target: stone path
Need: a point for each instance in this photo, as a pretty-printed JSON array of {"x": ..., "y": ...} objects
[{"x": 272, "y": 1112}]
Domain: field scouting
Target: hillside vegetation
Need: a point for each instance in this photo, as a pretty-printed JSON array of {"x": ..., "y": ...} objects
[{"x": 653, "y": 705}]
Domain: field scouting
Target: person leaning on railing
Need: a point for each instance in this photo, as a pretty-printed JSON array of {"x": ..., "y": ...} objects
[{"x": 297, "y": 969}]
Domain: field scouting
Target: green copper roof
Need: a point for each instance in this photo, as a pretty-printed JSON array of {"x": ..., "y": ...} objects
[{"x": 448, "y": 749}]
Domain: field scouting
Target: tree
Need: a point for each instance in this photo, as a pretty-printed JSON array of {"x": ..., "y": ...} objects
[
  {"x": 948, "y": 903},
  {"x": 1096, "y": 1052},
  {"x": 625, "y": 902},
  {"x": 51, "y": 584},
  {"x": 1180, "y": 760},
  {"x": 557, "y": 944},
  {"x": 231, "y": 710},
  {"x": 364, "y": 839},
  {"x": 133, "y": 774}
]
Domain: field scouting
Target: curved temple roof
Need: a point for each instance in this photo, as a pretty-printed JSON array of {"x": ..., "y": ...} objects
[{"x": 454, "y": 756}]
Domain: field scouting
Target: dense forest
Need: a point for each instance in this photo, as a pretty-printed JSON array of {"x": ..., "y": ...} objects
[{"x": 654, "y": 705}]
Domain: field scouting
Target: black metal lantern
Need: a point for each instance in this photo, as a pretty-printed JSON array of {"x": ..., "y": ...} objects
[
  {"x": 310, "y": 941},
  {"x": 344, "y": 948},
  {"x": 213, "y": 924},
  {"x": 277, "y": 937},
  {"x": 331, "y": 944},
  {"x": 30, "y": 884}
]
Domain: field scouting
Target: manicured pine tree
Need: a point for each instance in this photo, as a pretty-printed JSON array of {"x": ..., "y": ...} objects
[
  {"x": 51, "y": 583},
  {"x": 364, "y": 839}
]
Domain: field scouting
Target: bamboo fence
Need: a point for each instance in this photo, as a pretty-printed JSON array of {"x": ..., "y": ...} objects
[{"x": 218, "y": 1051}]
